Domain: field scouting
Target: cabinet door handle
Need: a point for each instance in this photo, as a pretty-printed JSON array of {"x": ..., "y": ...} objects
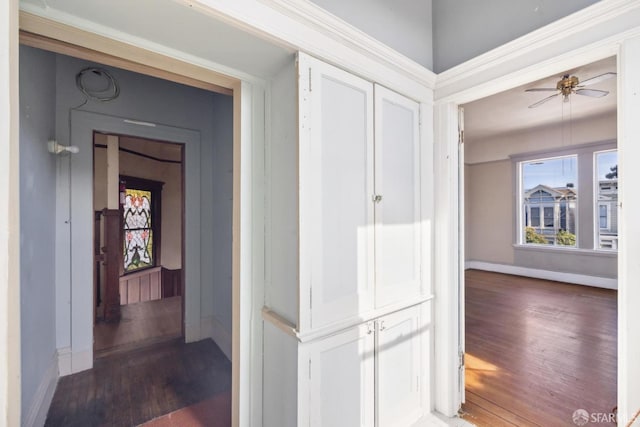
[
  {"x": 377, "y": 198},
  {"x": 369, "y": 328},
  {"x": 382, "y": 327}
]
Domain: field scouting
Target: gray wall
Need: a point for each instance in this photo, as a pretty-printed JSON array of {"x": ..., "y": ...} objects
[
  {"x": 463, "y": 29},
  {"x": 404, "y": 25},
  {"x": 153, "y": 100},
  {"x": 222, "y": 211},
  {"x": 37, "y": 229}
]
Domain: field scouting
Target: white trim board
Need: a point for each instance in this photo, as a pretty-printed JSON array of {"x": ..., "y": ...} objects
[
  {"x": 37, "y": 414},
  {"x": 348, "y": 35},
  {"x": 600, "y": 26},
  {"x": 577, "y": 279}
]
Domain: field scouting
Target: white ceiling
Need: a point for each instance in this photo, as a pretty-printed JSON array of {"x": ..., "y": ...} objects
[
  {"x": 508, "y": 112},
  {"x": 156, "y": 20}
]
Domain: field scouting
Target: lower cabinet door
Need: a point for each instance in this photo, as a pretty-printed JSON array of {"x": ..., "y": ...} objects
[
  {"x": 341, "y": 379},
  {"x": 400, "y": 354}
]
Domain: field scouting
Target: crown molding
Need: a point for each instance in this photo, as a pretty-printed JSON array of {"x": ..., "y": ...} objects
[
  {"x": 312, "y": 15},
  {"x": 552, "y": 36},
  {"x": 300, "y": 25}
]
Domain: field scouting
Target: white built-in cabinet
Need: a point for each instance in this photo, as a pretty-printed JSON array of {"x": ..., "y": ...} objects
[
  {"x": 370, "y": 374},
  {"x": 347, "y": 293},
  {"x": 359, "y": 177}
]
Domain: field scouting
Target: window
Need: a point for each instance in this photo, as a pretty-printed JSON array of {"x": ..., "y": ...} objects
[
  {"x": 140, "y": 223},
  {"x": 549, "y": 199},
  {"x": 549, "y": 217},
  {"x": 606, "y": 189},
  {"x": 535, "y": 217},
  {"x": 604, "y": 217}
]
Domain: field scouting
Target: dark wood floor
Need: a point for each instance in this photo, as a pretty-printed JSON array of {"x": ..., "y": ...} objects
[
  {"x": 142, "y": 323},
  {"x": 127, "y": 389},
  {"x": 537, "y": 350}
]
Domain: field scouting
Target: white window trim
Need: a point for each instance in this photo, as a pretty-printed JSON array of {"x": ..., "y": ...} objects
[
  {"x": 520, "y": 160},
  {"x": 597, "y": 203}
]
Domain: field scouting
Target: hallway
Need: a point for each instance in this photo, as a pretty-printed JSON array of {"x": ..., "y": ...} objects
[{"x": 142, "y": 323}]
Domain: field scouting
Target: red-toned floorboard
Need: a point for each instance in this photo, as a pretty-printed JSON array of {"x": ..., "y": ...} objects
[{"x": 213, "y": 412}]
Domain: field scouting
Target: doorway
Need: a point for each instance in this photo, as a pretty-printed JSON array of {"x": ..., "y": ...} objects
[
  {"x": 141, "y": 302},
  {"x": 200, "y": 120},
  {"x": 540, "y": 236}
]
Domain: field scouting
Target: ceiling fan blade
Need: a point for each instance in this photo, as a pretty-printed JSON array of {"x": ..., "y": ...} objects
[
  {"x": 542, "y": 101},
  {"x": 598, "y": 79},
  {"x": 592, "y": 92},
  {"x": 541, "y": 89}
]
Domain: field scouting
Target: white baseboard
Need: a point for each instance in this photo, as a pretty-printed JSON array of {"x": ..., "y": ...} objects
[
  {"x": 213, "y": 329},
  {"x": 37, "y": 413},
  {"x": 70, "y": 362},
  {"x": 206, "y": 327},
  {"x": 192, "y": 332},
  {"x": 81, "y": 360},
  {"x": 436, "y": 420},
  {"x": 64, "y": 361},
  {"x": 578, "y": 279}
]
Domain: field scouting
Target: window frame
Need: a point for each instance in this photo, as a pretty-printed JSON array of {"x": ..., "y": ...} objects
[
  {"x": 597, "y": 203},
  {"x": 586, "y": 220},
  {"x": 155, "y": 188},
  {"x": 521, "y": 221}
]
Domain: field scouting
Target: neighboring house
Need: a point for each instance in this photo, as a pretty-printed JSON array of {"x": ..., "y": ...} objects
[
  {"x": 608, "y": 213},
  {"x": 550, "y": 210}
]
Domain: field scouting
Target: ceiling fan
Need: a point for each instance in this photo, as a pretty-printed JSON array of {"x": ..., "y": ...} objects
[{"x": 569, "y": 85}]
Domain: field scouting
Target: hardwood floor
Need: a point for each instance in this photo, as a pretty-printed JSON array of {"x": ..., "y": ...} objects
[
  {"x": 537, "y": 350},
  {"x": 142, "y": 323},
  {"x": 212, "y": 412},
  {"x": 128, "y": 389}
]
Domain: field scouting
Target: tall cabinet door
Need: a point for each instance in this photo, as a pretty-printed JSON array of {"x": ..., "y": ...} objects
[
  {"x": 397, "y": 188},
  {"x": 336, "y": 186},
  {"x": 399, "y": 361},
  {"x": 341, "y": 379}
]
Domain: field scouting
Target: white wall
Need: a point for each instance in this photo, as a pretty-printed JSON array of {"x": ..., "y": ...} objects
[
  {"x": 404, "y": 25},
  {"x": 464, "y": 29},
  {"x": 37, "y": 230}
]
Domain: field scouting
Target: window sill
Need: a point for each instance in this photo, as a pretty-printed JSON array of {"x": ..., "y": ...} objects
[{"x": 565, "y": 250}]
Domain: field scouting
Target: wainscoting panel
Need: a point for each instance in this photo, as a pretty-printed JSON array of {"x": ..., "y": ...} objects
[
  {"x": 139, "y": 287},
  {"x": 150, "y": 284}
]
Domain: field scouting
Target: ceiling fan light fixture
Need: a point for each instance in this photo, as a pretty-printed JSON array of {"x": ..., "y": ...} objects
[{"x": 569, "y": 85}]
